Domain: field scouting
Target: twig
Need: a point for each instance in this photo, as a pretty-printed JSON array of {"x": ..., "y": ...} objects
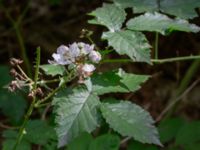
[
  {"x": 30, "y": 110},
  {"x": 125, "y": 140},
  {"x": 159, "y": 61},
  {"x": 45, "y": 111},
  {"x": 177, "y": 99}
]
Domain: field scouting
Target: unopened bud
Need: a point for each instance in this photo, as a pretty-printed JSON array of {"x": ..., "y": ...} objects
[{"x": 95, "y": 56}]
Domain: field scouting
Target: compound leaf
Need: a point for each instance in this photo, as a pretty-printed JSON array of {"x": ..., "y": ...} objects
[
  {"x": 131, "y": 120},
  {"x": 116, "y": 81},
  {"x": 180, "y": 8},
  {"x": 110, "y": 16},
  {"x": 134, "y": 44},
  {"x": 53, "y": 70},
  {"x": 160, "y": 23},
  {"x": 139, "y": 6},
  {"x": 76, "y": 112}
]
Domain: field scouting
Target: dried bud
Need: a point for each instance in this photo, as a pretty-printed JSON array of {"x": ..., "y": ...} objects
[
  {"x": 15, "y": 62},
  {"x": 31, "y": 95},
  {"x": 13, "y": 72},
  {"x": 39, "y": 92},
  {"x": 13, "y": 86}
]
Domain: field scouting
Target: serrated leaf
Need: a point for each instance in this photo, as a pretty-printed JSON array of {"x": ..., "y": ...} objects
[
  {"x": 76, "y": 112},
  {"x": 157, "y": 22},
  {"x": 53, "y": 70},
  {"x": 105, "y": 142},
  {"x": 133, "y": 44},
  {"x": 169, "y": 128},
  {"x": 110, "y": 16},
  {"x": 39, "y": 132},
  {"x": 189, "y": 133},
  {"x": 131, "y": 120},
  {"x": 180, "y": 8},
  {"x": 82, "y": 142},
  {"x": 12, "y": 105},
  {"x": 116, "y": 81},
  {"x": 138, "y": 5}
]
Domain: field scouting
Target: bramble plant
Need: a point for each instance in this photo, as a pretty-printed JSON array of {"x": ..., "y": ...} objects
[{"x": 79, "y": 107}]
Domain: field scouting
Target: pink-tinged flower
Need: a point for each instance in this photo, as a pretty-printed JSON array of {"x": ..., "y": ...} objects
[
  {"x": 95, "y": 56},
  {"x": 85, "y": 71},
  {"x": 88, "y": 68}
]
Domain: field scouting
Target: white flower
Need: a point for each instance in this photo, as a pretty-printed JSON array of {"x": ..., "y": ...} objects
[
  {"x": 74, "y": 50},
  {"x": 85, "y": 48},
  {"x": 95, "y": 56},
  {"x": 63, "y": 56},
  {"x": 66, "y": 55},
  {"x": 88, "y": 68}
]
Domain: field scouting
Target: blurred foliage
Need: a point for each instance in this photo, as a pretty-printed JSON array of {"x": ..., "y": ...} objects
[{"x": 48, "y": 23}]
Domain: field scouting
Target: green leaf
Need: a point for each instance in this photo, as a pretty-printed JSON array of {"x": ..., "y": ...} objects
[
  {"x": 12, "y": 105},
  {"x": 110, "y": 16},
  {"x": 82, "y": 142},
  {"x": 189, "y": 133},
  {"x": 131, "y": 120},
  {"x": 180, "y": 8},
  {"x": 134, "y": 145},
  {"x": 105, "y": 142},
  {"x": 160, "y": 23},
  {"x": 139, "y": 6},
  {"x": 53, "y": 70},
  {"x": 116, "y": 81},
  {"x": 169, "y": 128},
  {"x": 39, "y": 132},
  {"x": 133, "y": 44},
  {"x": 9, "y": 134},
  {"x": 76, "y": 112},
  {"x": 8, "y": 144}
]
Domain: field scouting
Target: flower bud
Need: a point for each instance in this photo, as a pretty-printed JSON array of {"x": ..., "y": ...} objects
[{"x": 95, "y": 56}]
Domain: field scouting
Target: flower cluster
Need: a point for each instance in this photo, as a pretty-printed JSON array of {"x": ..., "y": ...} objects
[{"x": 77, "y": 54}]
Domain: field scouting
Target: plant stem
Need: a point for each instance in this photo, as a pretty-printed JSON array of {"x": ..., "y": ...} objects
[
  {"x": 156, "y": 45},
  {"x": 15, "y": 25},
  {"x": 183, "y": 58},
  {"x": 159, "y": 61},
  {"x": 23, "y": 49},
  {"x": 69, "y": 78},
  {"x": 172, "y": 103},
  {"x": 30, "y": 110},
  {"x": 188, "y": 76}
]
